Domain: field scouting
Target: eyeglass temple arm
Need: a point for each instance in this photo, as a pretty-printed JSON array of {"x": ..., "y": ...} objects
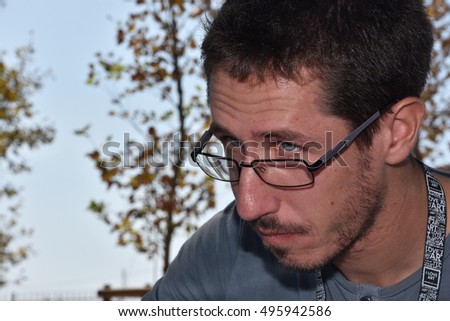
[
  {"x": 350, "y": 138},
  {"x": 199, "y": 146}
]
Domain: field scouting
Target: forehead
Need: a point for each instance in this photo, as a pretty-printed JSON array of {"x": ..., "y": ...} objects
[{"x": 254, "y": 107}]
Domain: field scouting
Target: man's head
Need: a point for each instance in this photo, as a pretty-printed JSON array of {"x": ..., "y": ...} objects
[
  {"x": 298, "y": 70},
  {"x": 366, "y": 53}
]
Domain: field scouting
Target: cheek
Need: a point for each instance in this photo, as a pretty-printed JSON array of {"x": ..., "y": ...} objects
[
  {"x": 311, "y": 207},
  {"x": 330, "y": 183},
  {"x": 324, "y": 201}
]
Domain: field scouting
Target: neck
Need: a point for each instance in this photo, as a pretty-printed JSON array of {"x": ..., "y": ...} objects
[{"x": 393, "y": 248}]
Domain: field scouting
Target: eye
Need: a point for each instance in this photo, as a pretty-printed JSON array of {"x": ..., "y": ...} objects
[
  {"x": 231, "y": 142},
  {"x": 289, "y": 146},
  {"x": 229, "y": 145}
]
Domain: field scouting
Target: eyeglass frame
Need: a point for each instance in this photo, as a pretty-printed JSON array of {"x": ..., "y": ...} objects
[{"x": 324, "y": 159}]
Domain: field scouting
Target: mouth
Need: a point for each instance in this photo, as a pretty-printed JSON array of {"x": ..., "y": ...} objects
[
  {"x": 279, "y": 238},
  {"x": 278, "y": 235}
]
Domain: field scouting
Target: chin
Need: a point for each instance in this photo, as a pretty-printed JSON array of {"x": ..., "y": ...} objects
[{"x": 302, "y": 262}]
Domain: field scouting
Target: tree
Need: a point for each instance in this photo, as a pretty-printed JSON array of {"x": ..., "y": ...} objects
[
  {"x": 164, "y": 194},
  {"x": 434, "y": 145},
  {"x": 159, "y": 40},
  {"x": 17, "y": 131}
]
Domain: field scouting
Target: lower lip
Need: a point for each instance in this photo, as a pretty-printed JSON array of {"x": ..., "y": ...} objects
[{"x": 279, "y": 239}]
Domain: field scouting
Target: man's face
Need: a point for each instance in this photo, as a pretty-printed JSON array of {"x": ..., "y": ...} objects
[{"x": 304, "y": 227}]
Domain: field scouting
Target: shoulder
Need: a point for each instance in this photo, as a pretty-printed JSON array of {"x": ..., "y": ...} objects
[
  {"x": 444, "y": 292},
  {"x": 217, "y": 240},
  {"x": 201, "y": 269},
  {"x": 225, "y": 223},
  {"x": 226, "y": 260}
]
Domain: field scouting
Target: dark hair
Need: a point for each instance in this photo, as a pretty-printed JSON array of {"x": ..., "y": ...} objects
[{"x": 367, "y": 53}]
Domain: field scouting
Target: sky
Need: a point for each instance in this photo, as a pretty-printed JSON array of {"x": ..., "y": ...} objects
[{"x": 73, "y": 249}]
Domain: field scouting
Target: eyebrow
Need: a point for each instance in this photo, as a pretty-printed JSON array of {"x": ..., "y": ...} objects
[
  {"x": 279, "y": 134},
  {"x": 217, "y": 129}
]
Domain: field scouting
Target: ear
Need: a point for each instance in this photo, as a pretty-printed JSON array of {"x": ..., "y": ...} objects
[{"x": 401, "y": 128}]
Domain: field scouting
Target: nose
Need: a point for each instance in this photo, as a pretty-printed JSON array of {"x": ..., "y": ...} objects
[{"x": 254, "y": 198}]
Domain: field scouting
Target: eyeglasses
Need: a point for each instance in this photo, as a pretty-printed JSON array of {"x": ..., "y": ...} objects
[{"x": 289, "y": 173}]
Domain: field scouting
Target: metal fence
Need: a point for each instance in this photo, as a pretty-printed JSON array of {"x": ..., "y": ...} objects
[
  {"x": 69, "y": 295},
  {"x": 105, "y": 294}
]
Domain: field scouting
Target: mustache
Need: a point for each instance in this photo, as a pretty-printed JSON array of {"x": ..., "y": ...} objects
[{"x": 273, "y": 225}]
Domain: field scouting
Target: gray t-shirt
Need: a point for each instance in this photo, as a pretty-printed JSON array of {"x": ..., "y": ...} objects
[{"x": 226, "y": 260}]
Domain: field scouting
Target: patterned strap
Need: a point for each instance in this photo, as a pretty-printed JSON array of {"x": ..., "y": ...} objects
[
  {"x": 433, "y": 260},
  {"x": 320, "y": 288}
]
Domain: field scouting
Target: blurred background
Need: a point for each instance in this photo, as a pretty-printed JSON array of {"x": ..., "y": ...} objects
[{"x": 100, "y": 102}]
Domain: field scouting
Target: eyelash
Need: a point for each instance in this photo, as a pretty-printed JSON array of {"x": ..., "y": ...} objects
[
  {"x": 226, "y": 140},
  {"x": 291, "y": 144},
  {"x": 290, "y": 148}
]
